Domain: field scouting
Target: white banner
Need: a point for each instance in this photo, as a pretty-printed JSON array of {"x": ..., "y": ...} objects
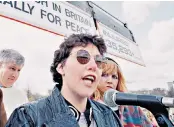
[
  {"x": 57, "y": 17},
  {"x": 120, "y": 46}
]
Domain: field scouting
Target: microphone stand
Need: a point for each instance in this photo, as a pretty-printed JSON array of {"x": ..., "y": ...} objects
[
  {"x": 159, "y": 111},
  {"x": 163, "y": 121}
]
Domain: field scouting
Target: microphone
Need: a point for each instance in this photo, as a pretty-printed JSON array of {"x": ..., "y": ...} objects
[
  {"x": 156, "y": 104},
  {"x": 114, "y": 98}
]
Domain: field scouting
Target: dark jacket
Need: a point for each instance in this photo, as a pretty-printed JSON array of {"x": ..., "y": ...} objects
[
  {"x": 53, "y": 111},
  {"x": 3, "y": 116}
]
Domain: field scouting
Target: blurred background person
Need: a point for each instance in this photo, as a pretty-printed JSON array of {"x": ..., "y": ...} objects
[
  {"x": 11, "y": 63},
  {"x": 112, "y": 78}
]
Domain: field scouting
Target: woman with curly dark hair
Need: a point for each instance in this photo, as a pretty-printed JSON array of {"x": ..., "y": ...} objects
[{"x": 76, "y": 69}]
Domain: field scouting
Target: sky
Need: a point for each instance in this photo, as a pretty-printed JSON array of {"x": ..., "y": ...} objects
[{"x": 152, "y": 24}]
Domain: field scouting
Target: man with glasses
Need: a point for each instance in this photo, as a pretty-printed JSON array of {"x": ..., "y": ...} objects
[
  {"x": 76, "y": 68},
  {"x": 11, "y": 63}
]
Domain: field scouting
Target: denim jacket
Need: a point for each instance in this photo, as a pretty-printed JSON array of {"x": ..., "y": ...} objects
[{"x": 54, "y": 112}]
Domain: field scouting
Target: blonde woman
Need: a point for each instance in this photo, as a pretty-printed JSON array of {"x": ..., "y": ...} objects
[{"x": 112, "y": 78}]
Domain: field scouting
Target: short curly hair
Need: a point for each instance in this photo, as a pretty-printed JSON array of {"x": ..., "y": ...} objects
[{"x": 66, "y": 47}]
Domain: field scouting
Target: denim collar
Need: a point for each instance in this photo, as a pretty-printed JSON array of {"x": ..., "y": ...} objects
[
  {"x": 56, "y": 95},
  {"x": 57, "y": 100}
]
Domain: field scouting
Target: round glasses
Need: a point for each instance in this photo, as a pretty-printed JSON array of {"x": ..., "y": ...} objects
[{"x": 83, "y": 57}]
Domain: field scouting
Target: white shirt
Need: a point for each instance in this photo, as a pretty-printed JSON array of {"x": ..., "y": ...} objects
[
  {"x": 82, "y": 121},
  {"x": 13, "y": 98}
]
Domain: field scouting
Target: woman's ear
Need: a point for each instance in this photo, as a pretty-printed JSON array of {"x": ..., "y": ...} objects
[{"x": 60, "y": 69}]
